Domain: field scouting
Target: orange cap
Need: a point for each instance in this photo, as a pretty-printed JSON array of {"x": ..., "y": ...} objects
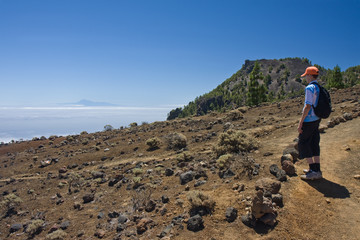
[{"x": 311, "y": 71}]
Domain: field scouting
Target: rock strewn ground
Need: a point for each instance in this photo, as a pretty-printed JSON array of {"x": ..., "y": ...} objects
[{"x": 110, "y": 185}]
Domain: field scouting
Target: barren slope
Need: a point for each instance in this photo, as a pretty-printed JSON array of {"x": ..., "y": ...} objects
[{"x": 325, "y": 209}]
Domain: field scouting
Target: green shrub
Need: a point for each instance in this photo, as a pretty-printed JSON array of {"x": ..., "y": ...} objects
[
  {"x": 141, "y": 197},
  {"x": 108, "y": 128},
  {"x": 137, "y": 171},
  {"x": 35, "y": 227},
  {"x": 137, "y": 180},
  {"x": 9, "y": 203},
  {"x": 184, "y": 157},
  {"x": 176, "y": 141},
  {"x": 234, "y": 115},
  {"x": 134, "y": 124},
  {"x": 224, "y": 161},
  {"x": 57, "y": 235},
  {"x": 200, "y": 200},
  {"x": 153, "y": 143},
  {"x": 234, "y": 142}
]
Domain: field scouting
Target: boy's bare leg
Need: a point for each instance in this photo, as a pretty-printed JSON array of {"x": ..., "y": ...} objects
[{"x": 310, "y": 160}]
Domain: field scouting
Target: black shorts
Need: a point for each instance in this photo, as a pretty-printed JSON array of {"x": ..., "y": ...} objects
[{"x": 309, "y": 140}]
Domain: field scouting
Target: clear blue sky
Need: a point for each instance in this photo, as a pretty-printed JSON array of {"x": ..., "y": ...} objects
[{"x": 159, "y": 52}]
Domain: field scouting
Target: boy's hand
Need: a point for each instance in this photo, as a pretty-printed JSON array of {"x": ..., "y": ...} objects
[{"x": 300, "y": 128}]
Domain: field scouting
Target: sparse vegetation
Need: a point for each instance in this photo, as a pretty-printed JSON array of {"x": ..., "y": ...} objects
[
  {"x": 138, "y": 171},
  {"x": 141, "y": 197},
  {"x": 184, "y": 157},
  {"x": 153, "y": 143},
  {"x": 75, "y": 182},
  {"x": 244, "y": 165},
  {"x": 176, "y": 141},
  {"x": 9, "y": 204},
  {"x": 200, "y": 202},
  {"x": 57, "y": 235},
  {"x": 113, "y": 175},
  {"x": 132, "y": 125},
  {"x": 234, "y": 142},
  {"x": 35, "y": 227},
  {"x": 224, "y": 161},
  {"x": 108, "y": 127}
]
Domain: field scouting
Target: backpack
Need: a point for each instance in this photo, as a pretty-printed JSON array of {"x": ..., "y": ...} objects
[{"x": 323, "y": 108}]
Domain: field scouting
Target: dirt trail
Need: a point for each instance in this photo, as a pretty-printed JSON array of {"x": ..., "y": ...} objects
[{"x": 328, "y": 208}]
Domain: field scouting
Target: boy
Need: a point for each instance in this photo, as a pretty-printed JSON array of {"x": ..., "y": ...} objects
[{"x": 309, "y": 136}]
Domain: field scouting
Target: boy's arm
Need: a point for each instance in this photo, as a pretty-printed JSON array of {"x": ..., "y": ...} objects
[{"x": 303, "y": 116}]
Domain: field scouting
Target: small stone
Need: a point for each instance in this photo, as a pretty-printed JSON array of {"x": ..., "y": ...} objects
[
  {"x": 357, "y": 176},
  {"x": 100, "y": 233},
  {"x": 15, "y": 227},
  {"x": 169, "y": 172},
  {"x": 277, "y": 199},
  {"x": 195, "y": 223},
  {"x": 142, "y": 225},
  {"x": 80, "y": 233},
  {"x": 328, "y": 200},
  {"x": 164, "y": 199},
  {"x": 322, "y": 128},
  {"x": 268, "y": 184},
  {"x": 348, "y": 116},
  {"x": 122, "y": 219},
  {"x": 88, "y": 198},
  {"x": 199, "y": 183},
  {"x": 186, "y": 177},
  {"x": 120, "y": 227},
  {"x": 268, "y": 154},
  {"x": 248, "y": 220},
  {"x": 288, "y": 167},
  {"x": 54, "y": 228},
  {"x": 274, "y": 169},
  {"x": 286, "y": 157},
  {"x": 346, "y": 148},
  {"x": 166, "y": 231},
  {"x": 231, "y": 214},
  {"x": 226, "y": 174},
  {"x": 100, "y": 215},
  {"x": 63, "y": 170},
  {"x": 113, "y": 214},
  {"x": 293, "y": 152},
  {"x": 150, "y": 206},
  {"x": 269, "y": 219},
  {"x": 97, "y": 174},
  {"x": 64, "y": 225},
  {"x": 78, "y": 206}
]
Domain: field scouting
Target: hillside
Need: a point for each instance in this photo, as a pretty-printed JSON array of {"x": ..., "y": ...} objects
[
  {"x": 119, "y": 185},
  {"x": 281, "y": 79}
]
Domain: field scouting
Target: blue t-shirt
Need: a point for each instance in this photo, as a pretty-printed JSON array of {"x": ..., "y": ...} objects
[{"x": 311, "y": 98}]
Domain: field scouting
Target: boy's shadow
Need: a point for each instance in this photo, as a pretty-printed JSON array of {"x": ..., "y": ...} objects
[{"x": 329, "y": 188}]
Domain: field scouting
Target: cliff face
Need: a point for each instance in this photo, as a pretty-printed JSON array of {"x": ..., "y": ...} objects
[{"x": 280, "y": 77}]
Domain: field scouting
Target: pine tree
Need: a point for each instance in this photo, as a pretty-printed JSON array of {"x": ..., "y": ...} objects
[
  {"x": 262, "y": 93},
  {"x": 336, "y": 78},
  {"x": 253, "y": 96}
]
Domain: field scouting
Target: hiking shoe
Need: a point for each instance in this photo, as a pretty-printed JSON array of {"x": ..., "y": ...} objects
[
  {"x": 311, "y": 175},
  {"x": 306, "y": 170}
]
